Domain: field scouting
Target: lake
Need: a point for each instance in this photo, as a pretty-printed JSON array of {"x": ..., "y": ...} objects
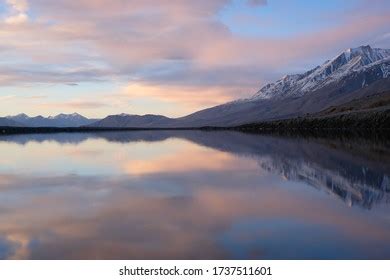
[{"x": 193, "y": 195}]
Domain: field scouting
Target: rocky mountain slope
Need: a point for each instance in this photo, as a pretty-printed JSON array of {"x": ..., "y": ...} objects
[
  {"x": 352, "y": 62},
  {"x": 353, "y": 74}
]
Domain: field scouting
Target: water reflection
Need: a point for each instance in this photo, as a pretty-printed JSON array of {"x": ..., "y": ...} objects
[{"x": 192, "y": 195}]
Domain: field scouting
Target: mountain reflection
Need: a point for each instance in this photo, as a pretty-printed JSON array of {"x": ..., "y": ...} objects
[
  {"x": 193, "y": 195},
  {"x": 353, "y": 170}
]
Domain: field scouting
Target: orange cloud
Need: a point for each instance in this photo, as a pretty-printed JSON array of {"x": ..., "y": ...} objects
[{"x": 192, "y": 96}]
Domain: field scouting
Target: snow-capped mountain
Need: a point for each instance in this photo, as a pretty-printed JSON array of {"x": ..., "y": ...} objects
[
  {"x": 19, "y": 118},
  {"x": 74, "y": 116},
  {"x": 353, "y": 74},
  {"x": 61, "y": 120},
  {"x": 353, "y": 60},
  {"x": 356, "y": 73}
]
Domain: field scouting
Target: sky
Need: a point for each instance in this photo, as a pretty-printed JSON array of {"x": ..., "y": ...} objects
[{"x": 170, "y": 57}]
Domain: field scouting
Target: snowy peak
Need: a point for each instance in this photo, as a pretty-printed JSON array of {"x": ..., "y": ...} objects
[
  {"x": 366, "y": 54},
  {"x": 355, "y": 58},
  {"x": 19, "y": 117},
  {"x": 348, "y": 62},
  {"x": 74, "y": 116},
  {"x": 61, "y": 120},
  {"x": 22, "y": 116}
]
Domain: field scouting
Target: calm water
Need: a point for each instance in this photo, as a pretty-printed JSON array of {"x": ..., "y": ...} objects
[{"x": 192, "y": 195}]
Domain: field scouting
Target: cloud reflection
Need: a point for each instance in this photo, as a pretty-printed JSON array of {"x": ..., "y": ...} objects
[{"x": 166, "y": 197}]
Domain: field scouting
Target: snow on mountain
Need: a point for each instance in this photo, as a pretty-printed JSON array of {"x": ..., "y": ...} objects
[
  {"x": 350, "y": 61},
  {"x": 353, "y": 74},
  {"x": 61, "y": 120},
  {"x": 74, "y": 116},
  {"x": 19, "y": 118}
]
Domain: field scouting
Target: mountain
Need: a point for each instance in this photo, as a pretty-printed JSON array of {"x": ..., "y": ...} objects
[
  {"x": 71, "y": 120},
  {"x": 124, "y": 120},
  {"x": 379, "y": 101},
  {"x": 61, "y": 120},
  {"x": 353, "y": 74},
  {"x": 351, "y": 62},
  {"x": 8, "y": 122}
]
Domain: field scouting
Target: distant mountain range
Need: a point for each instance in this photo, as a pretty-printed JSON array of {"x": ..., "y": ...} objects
[
  {"x": 353, "y": 75},
  {"x": 61, "y": 120},
  {"x": 8, "y": 122}
]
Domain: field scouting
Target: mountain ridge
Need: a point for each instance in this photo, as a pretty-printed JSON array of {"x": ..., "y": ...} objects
[
  {"x": 354, "y": 73},
  {"x": 351, "y": 60},
  {"x": 125, "y": 120},
  {"x": 364, "y": 79},
  {"x": 5, "y": 122},
  {"x": 60, "y": 120}
]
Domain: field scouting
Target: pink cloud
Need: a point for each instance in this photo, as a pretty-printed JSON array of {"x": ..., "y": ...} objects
[{"x": 151, "y": 42}]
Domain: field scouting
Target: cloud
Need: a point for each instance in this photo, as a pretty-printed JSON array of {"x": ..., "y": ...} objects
[
  {"x": 20, "y": 6},
  {"x": 84, "y": 213},
  {"x": 192, "y": 97},
  {"x": 18, "y": 12},
  {"x": 25, "y": 75},
  {"x": 16, "y": 19},
  {"x": 14, "y": 96},
  {"x": 181, "y": 47},
  {"x": 257, "y": 2},
  {"x": 172, "y": 163},
  {"x": 7, "y": 97},
  {"x": 74, "y": 104}
]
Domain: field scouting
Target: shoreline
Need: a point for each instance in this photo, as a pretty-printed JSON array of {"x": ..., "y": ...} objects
[
  {"x": 261, "y": 128},
  {"x": 348, "y": 123}
]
